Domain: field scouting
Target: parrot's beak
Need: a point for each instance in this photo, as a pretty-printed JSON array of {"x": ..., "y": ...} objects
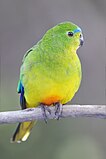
[{"x": 81, "y": 40}]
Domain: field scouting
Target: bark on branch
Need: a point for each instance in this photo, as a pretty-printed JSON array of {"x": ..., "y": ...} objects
[{"x": 95, "y": 111}]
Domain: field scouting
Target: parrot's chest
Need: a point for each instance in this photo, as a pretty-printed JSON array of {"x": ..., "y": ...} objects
[
  {"x": 61, "y": 92},
  {"x": 49, "y": 86}
]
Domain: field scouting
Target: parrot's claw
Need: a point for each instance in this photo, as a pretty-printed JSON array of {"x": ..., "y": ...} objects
[
  {"x": 58, "y": 111},
  {"x": 45, "y": 108}
]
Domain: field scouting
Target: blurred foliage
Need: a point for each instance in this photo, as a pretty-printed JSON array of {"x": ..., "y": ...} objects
[{"x": 67, "y": 138}]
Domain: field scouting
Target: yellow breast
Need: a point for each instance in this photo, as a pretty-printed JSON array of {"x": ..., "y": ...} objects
[{"x": 50, "y": 85}]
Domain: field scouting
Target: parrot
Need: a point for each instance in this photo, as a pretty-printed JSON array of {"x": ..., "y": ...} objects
[{"x": 50, "y": 73}]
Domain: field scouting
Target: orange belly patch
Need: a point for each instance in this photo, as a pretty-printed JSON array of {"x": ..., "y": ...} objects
[{"x": 50, "y": 100}]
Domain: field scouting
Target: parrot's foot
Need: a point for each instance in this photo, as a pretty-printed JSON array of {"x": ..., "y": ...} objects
[
  {"x": 58, "y": 111},
  {"x": 45, "y": 108}
]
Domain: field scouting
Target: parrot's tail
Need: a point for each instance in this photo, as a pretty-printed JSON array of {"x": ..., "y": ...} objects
[{"x": 23, "y": 131}]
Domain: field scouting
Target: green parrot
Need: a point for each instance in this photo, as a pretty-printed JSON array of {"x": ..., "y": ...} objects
[{"x": 50, "y": 74}]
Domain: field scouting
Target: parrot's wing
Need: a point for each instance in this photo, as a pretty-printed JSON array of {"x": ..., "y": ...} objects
[
  {"x": 27, "y": 53},
  {"x": 19, "y": 87},
  {"x": 20, "y": 90},
  {"x": 23, "y": 130}
]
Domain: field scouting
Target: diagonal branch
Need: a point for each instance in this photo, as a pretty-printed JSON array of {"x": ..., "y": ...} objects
[{"x": 95, "y": 111}]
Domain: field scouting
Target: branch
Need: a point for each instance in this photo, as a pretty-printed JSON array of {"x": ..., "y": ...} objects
[{"x": 95, "y": 111}]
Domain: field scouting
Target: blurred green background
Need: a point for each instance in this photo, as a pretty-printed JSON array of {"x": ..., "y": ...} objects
[{"x": 22, "y": 24}]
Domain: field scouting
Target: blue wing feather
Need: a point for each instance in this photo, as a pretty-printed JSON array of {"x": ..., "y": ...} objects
[
  {"x": 19, "y": 87},
  {"x": 20, "y": 90}
]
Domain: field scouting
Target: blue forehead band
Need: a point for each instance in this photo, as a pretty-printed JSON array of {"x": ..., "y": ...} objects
[{"x": 77, "y": 30}]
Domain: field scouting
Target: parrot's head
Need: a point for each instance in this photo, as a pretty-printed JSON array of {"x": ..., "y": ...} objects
[{"x": 65, "y": 35}]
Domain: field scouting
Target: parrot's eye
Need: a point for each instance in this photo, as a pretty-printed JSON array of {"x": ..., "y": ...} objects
[{"x": 70, "y": 34}]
